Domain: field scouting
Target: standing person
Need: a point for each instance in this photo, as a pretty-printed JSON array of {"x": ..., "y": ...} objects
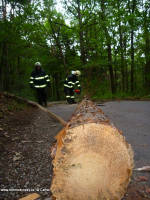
[
  {"x": 69, "y": 84},
  {"x": 39, "y": 80}
]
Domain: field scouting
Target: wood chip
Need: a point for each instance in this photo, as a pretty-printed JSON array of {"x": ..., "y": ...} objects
[
  {"x": 144, "y": 145},
  {"x": 147, "y": 190},
  {"x": 32, "y": 196},
  {"x": 6, "y": 134},
  {"x": 145, "y": 168},
  {"x": 16, "y": 138},
  {"x": 17, "y": 153},
  {"x": 53, "y": 126},
  {"x": 16, "y": 158},
  {"x": 40, "y": 141},
  {"x": 142, "y": 178}
]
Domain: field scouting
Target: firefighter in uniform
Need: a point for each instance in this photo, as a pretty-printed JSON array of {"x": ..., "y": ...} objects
[
  {"x": 40, "y": 80},
  {"x": 69, "y": 84}
]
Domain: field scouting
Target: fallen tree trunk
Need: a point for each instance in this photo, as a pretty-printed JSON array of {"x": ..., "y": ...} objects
[{"x": 92, "y": 161}]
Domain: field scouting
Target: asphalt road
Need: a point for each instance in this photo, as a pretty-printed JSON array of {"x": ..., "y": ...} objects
[
  {"x": 63, "y": 110},
  {"x": 133, "y": 118}
]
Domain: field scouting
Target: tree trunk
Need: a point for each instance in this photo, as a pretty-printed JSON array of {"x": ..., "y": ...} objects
[
  {"x": 111, "y": 73},
  {"x": 82, "y": 47},
  {"x": 109, "y": 52},
  {"x": 147, "y": 51},
  {"x": 126, "y": 66},
  {"x": 132, "y": 46},
  {"x": 121, "y": 50},
  {"x": 57, "y": 40},
  {"x": 147, "y": 66},
  {"x": 57, "y": 86},
  {"x": 132, "y": 61},
  {"x": 92, "y": 160},
  {"x": 4, "y": 9},
  {"x": 4, "y": 69}
]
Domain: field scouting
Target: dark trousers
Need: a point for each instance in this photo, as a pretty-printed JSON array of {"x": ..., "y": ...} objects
[
  {"x": 41, "y": 95},
  {"x": 69, "y": 95}
]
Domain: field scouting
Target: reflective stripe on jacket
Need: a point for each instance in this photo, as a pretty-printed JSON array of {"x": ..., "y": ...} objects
[
  {"x": 71, "y": 81},
  {"x": 39, "y": 79}
]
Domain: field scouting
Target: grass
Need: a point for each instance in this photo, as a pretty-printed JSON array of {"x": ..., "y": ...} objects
[
  {"x": 121, "y": 96},
  {"x": 16, "y": 106}
]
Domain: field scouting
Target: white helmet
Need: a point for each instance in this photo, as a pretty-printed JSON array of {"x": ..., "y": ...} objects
[
  {"x": 77, "y": 73},
  {"x": 37, "y": 64}
]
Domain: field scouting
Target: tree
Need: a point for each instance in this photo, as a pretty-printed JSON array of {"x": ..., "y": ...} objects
[
  {"x": 108, "y": 43},
  {"x": 146, "y": 36}
]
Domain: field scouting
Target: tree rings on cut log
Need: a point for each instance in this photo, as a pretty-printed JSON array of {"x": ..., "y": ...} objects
[{"x": 92, "y": 162}]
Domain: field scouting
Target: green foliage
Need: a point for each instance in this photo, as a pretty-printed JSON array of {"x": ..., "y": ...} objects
[
  {"x": 120, "y": 96},
  {"x": 16, "y": 106},
  {"x": 33, "y": 32}
]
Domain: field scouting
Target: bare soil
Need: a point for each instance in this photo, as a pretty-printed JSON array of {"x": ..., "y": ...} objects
[{"x": 27, "y": 134}]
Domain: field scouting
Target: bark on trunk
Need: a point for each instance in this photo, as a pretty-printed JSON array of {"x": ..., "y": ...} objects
[
  {"x": 81, "y": 34},
  {"x": 109, "y": 51},
  {"x": 132, "y": 48},
  {"x": 92, "y": 160},
  {"x": 5, "y": 69},
  {"x": 121, "y": 50}
]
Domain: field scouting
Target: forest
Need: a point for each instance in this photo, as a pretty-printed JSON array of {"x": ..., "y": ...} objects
[{"x": 107, "y": 40}]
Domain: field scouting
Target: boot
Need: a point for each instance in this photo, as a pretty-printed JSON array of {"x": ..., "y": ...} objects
[
  {"x": 45, "y": 104},
  {"x": 72, "y": 100},
  {"x": 69, "y": 100}
]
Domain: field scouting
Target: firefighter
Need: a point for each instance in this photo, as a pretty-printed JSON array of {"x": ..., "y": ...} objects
[
  {"x": 69, "y": 84},
  {"x": 40, "y": 80}
]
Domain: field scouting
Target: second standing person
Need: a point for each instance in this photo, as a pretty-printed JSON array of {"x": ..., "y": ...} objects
[{"x": 69, "y": 86}]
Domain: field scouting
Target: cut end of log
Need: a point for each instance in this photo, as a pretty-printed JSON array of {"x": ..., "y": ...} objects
[{"x": 93, "y": 162}]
